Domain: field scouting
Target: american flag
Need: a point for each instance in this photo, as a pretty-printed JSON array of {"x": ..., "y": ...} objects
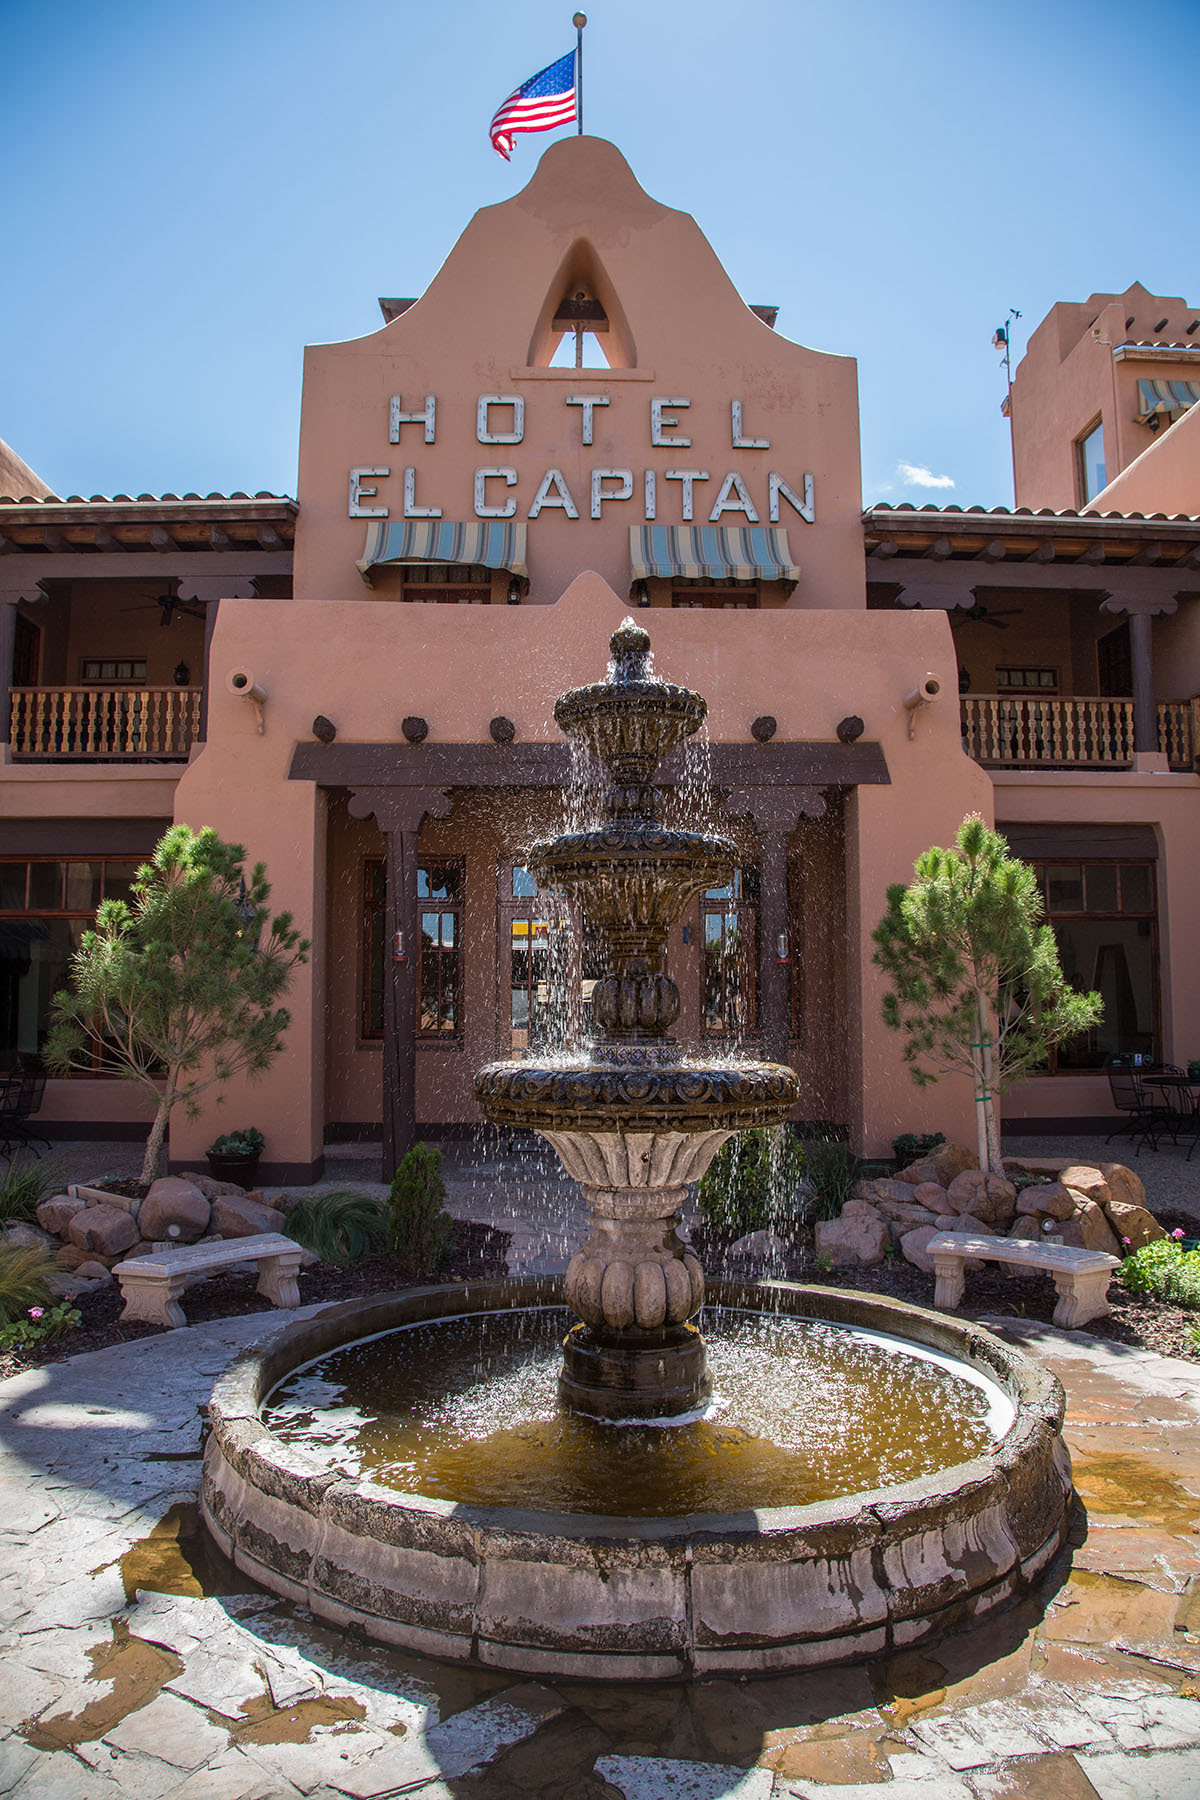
[{"x": 547, "y": 99}]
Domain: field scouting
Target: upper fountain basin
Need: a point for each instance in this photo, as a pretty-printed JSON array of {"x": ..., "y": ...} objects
[
  {"x": 631, "y": 720},
  {"x": 633, "y": 875},
  {"x": 638, "y": 1095}
]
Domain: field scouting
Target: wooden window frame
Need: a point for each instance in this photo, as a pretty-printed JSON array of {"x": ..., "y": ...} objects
[
  {"x": 1122, "y": 915},
  {"x": 745, "y": 906},
  {"x": 373, "y": 950},
  {"x": 132, "y": 663}
]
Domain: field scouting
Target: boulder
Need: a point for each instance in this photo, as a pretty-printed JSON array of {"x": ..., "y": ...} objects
[
  {"x": 941, "y": 1165},
  {"x": 862, "y": 1207},
  {"x": 70, "y": 1256},
  {"x": 912, "y": 1246},
  {"x": 884, "y": 1192},
  {"x": 1123, "y": 1184},
  {"x": 93, "y": 1271},
  {"x": 174, "y": 1209},
  {"x": 988, "y": 1197},
  {"x": 54, "y": 1215},
  {"x": 241, "y": 1217},
  {"x": 210, "y": 1188},
  {"x": 1047, "y": 1167},
  {"x": 932, "y": 1195},
  {"x": 21, "y": 1236},
  {"x": 1027, "y": 1226},
  {"x": 103, "y": 1228},
  {"x": 1090, "y": 1230},
  {"x": 854, "y": 1242},
  {"x": 907, "y": 1218},
  {"x": 1133, "y": 1225},
  {"x": 1083, "y": 1178},
  {"x": 757, "y": 1246},
  {"x": 969, "y": 1222},
  {"x": 1049, "y": 1198}
]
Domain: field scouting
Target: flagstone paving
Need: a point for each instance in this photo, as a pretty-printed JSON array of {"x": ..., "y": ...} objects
[{"x": 134, "y": 1662}]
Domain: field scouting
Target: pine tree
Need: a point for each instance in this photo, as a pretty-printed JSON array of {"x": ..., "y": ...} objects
[
  {"x": 975, "y": 980},
  {"x": 178, "y": 991}
]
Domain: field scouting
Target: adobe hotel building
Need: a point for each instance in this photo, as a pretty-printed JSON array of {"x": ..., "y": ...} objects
[{"x": 358, "y": 684}]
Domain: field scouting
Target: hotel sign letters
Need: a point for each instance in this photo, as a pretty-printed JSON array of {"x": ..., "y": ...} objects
[{"x": 500, "y": 421}]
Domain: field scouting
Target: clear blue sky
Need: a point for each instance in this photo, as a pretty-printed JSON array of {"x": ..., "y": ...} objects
[{"x": 195, "y": 190}]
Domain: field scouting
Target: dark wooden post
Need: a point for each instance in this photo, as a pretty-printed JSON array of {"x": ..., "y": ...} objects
[
  {"x": 775, "y": 813},
  {"x": 399, "y": 812},
  {"x": 8, "y": 640},
  {"x": 1140, "y": 608}
]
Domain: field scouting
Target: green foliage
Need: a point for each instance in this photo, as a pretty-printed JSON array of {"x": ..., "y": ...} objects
[
  {"x": 831, "y": 1172},
  {"x": 179, "y": 991},
  {"x": 751, "y": 1181},
  {"x": 24, "y": 1271},
  {"x": 1165, "y": 1270},
  {"x": 249, "y": 1142},
  {"x": 339, "y": 1227},
  {"x": 975, "y": 983},
  {"x": 911, "y": 1146},
  {"x": 38, "y": 1324},
  {"x": 23, "y": 1187},
  {"x": 418, "y": 1229}
]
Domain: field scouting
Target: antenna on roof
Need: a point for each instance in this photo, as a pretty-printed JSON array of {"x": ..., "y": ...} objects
[{"x": 1001, "y": 341}]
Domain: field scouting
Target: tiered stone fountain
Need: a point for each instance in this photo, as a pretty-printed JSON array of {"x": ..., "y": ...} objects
[
  {"x": 635, "y": 1121},
  {"x": 875, "y": 1475}
]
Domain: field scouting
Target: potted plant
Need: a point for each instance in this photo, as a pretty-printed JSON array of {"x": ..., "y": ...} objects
[
  {"x": 234, "y": 1156},
  {"x": 911, "y": 1146}
]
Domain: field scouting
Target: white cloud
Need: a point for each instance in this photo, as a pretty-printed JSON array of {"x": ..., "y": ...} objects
[{"x": 913, "y": 476}]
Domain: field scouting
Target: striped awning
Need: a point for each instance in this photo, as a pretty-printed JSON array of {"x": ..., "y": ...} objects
[
  {"x": 481, "y": 543},
  {"x": 1156, "y": 398},
  {"x": 712, "y": 552}
]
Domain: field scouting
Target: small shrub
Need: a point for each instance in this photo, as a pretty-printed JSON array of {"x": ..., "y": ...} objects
[
  {"x": 1166, "y": 1271},
  {"x": 751, "y": 1180},
  {"x": 418, "y": 1227},
  {"x": 911, "y": 1146},
  {"x": 23, "y": 1281},
  {"x": 249, "y": 1142},
  {"x": 831, "y": 1175},
  {"x": 39, "y": 1323},
  {"x": 339, "y": 1227},
  {"x": 23, "y": 1187}
]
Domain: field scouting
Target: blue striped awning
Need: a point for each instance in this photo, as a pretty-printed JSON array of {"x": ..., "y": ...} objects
[
  {"x": 483, "y": 543},
  {"x": 1171, "y": 398},
  {"x": 712, "y": 552}
]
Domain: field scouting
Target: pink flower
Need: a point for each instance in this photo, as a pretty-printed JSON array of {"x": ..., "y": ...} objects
[
  {"x": 1178, "y": 1232},
  {"x": 1126, "y": 1240},
  {"x": 35, "y": 1312}
]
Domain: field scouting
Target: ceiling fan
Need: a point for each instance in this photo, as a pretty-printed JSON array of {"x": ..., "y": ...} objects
[
  {"x": 979, "y": 614},
  {"x": 169, "y": 606}
]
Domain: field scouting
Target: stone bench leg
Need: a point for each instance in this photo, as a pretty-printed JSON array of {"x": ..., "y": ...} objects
[
  {"x": 948, "y": 1293},
  {"x": 1081, "y": 1297},
  {"x": 154, "y": 1299},
  {"x": 277, "y": 1278}
]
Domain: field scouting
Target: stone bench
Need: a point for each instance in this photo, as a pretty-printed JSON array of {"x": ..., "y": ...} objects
[
  {"x": 151, "y": 1286},
  {"x": 1081, "y": 1276}
]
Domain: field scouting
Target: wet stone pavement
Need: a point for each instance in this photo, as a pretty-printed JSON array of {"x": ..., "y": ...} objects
[{"x": 135, "y": 1662}]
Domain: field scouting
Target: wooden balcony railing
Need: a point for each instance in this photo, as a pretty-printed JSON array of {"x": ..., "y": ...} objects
[
  {"x": 1030, "y": 731},
  {"x": 102, "y": 724}
]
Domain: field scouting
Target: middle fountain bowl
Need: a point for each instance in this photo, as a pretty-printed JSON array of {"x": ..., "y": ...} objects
[{"x": 634, "y": 1121}]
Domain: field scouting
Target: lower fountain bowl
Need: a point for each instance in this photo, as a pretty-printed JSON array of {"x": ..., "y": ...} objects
[{"x": 575, "y": 1594}]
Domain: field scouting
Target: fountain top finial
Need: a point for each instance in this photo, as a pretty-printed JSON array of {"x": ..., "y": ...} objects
[{"x": 630, "y": 646}]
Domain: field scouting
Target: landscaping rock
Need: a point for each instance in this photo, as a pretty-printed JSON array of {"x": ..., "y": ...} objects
[
  {"x": 884, "y": 1192},
  {"x": 907, "y": 1218},
  {"x": 211, "y": 1189},
  {"x": 103, "y": 1228},
  {"x": 942, "y": 1165},
  {"x": 1090, "y": 1230},
  {"x": 1050, "y": 1198},
  {"x": 27, "y": 1237},
  {"x": 241, "y": 1217},
  {"x": 174, "y": 1209},
  {"x": 1123, "y": 1184},
  {"x": 854, "y": 1242},
  {"x": 970, "y": 1222},
  {"x": 757, "y": 1246},
  {"x": 932, "y": 1195},
  {"x": 912, "y": 1246},
  {"x": 1134, "y": 1223},
  {"x": 55, "y": 1215},
  {"x": 1027, "y": 1226},
  {"x": 861, "y": 1207},
  {"x": 988, "y": 1197},
  {"x": 70, "y": 1256},
  {"x": 1083, "y": 1178},
  {"x": 93, "y": 1271}
]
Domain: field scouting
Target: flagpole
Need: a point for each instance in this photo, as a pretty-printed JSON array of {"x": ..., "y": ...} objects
[{"x": 579, "y": 21}]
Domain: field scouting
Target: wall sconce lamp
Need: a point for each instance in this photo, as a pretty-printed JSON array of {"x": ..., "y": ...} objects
[
  {"x": 242, "y": 683},
  {"x": 399, "y": 954},
  {"x": 782, "y": 952},
  {"x": 921, "y": 696},
  {"x": 639, "y": 593},
  {"x": 181, "y": 675},
  {"x": 514, "y": 591}
]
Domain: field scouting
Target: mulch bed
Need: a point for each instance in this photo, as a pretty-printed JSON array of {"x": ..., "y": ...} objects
[{"x": 478, "y": 1252}]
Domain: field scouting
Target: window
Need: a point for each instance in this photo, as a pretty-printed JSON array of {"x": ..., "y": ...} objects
[
  {"x": 447, "y": 584},
  {"x": 46, "y": 905},
  {"x": 718, "y": 599},
  {"x": 122, "y": 668},
  {"x": 535, "y": 942},
  {"x": 1089, "y": 450},
  {"x": 440, "y": 890},
  {"x": 729, "y": 956},
  {"x": 1105, "y": 920},
  {"x": 1043, "y": 681}
]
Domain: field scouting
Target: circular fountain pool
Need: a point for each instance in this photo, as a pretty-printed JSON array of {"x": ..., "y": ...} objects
[{"x": 868, "y": 1474}]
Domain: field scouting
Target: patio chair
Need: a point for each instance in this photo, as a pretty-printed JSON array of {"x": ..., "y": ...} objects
[
  {"x": 20, "y": 1097},
  {"x": 1148, "y": 1114},
  {"x": 1183, "y": 1108}
]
